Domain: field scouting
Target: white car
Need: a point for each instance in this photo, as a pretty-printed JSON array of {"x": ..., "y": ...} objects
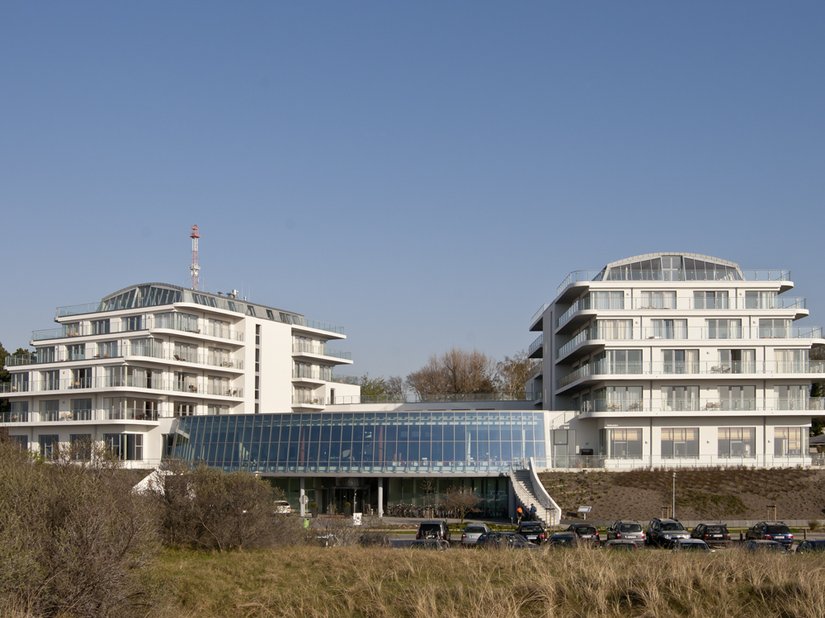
[{"x": 282, "y": 507}]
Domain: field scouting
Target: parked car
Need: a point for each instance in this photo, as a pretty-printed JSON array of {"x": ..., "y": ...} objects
[
  {"x": 626, "y": 531},
  {"x": 764, "y": 545},
  {"x": 690, "y": 545},
  {"x": 533, "y": 531},
  {"x": 663, "y": 532},
  {"x": 472, "y": 532},
  {"x": 430, "y": 543},
  {"x": 770, "y": 531},
  {"x": 564, "y": 539},
  {"x": 504, "y": 540},
  {"x": 810, "y": 546},
  {"x": 621, "y": 544},
  {"x": 282, "y": 507},
  {"x": 433, "y": 529},
  {"x": 585, "y": 532},
  {"x": 715, "y": 535}
]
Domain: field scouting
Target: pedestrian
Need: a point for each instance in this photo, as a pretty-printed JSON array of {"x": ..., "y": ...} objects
[
  {"x": 519, "y": 513},
  {"x": 532, "y": 511}
]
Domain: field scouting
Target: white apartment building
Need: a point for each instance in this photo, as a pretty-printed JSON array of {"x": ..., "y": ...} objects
[
  {"x": 676, "y": 359},
  {"x": 116, "y": 372}
]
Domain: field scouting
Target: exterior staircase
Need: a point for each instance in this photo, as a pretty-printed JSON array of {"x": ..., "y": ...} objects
[{"x": 528, "y": 490}]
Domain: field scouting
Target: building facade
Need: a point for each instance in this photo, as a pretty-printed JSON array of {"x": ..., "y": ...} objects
[
  {"x": 677, "y": 359},
  {"x": 112, "y": 371}
]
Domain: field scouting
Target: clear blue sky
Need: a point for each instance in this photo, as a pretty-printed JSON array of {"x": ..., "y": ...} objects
[{"x": 423, "y": 174}]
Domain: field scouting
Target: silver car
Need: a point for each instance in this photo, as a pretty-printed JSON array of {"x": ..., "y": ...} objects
[
  {"x": 471, "y": 532},
  {"x": 626, "y": 531}
]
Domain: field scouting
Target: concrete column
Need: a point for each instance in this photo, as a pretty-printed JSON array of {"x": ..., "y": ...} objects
[
  {"x": 302, "y": 498},
  {"x": 380, "y": 497}
]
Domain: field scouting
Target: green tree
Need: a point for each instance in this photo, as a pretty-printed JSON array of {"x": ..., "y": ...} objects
[
  {"x": 512, "y": 375},
  {"x": 381, "y": 389},
  {"x": 456, "y": 374}
]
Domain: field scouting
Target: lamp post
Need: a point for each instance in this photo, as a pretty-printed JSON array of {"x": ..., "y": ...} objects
[{"x": 673, "y": 498}]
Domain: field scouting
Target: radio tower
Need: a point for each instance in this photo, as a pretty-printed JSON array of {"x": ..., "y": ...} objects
[{"x": 195, "y": 269}]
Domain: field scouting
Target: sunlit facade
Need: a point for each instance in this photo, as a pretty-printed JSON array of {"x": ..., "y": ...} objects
[{"x": 677, "y": 359}]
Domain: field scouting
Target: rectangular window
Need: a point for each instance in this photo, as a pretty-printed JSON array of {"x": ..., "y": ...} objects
[
  {"x": 21, "y": 441},
  {"x": 737, "y": 397},
  {"x": 132, "y": 322},
  {"x": 680, "y": 398},
  {"x": 82, "y": 378},
  {"x": 791, "y": 361},
  {"x": 613, "y": 329},
  {"x": 76, "y": 352},
  {"x": 618, "y": 398},
  {"x": 49, "y": 446},
  {"x": 607, "y": 300},
  {"x": 51, "y": 380},
  {"x": 681, "y": 361},
  {"x": 724, "y": 329},
  {"x": 680, "y": 442},
  {"x": 623, "y": 361},
  {"x": 49, "y": 410},
  {"x": 774, "y": 328},
  {"x": 737, "y": 442},
  {"x": 186, "y": 352},
  {"x": 760, "y": 299},
  {"x": 658, "y": 299},
  {"x": 107, "y": 349},
  {"x": 710, "y": 299},
  {"x": 625, "y": 443},
  {"x": 100, "y": 327},
  {"x": 183, "y": 408},
  {"x": 81, "y": 409},
  {"x": 46, "y": 354},
  {"x": 787, "y": 441},
  {"x": 124, "y": 446},
  {"x": 19, "y": 412},
  {"x": 735, "y": 361},
  {"x": 80, "y": 446},
  {"x": 669, "y": 329},
  {"x": 791, "y": 397}
]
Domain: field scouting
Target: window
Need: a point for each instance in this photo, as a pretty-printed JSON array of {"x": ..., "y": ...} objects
[
  {"x": 100, "y": 327},
  {"x": 183, "y": 408},
  {"x": 623, "y": 361},
  {"x": 51, "y": 380},
  {"x": 81, "y": 409},
  {"x": 735, "y": 361},
  {"x": 21, "y": 441},
  {"x": 76, "y": 352},
  {"x": 680, "y": 398},
  {"x": 791, "y": 361},
  {"x": 82, "y": 378},
  {"x": 215, "y": 410},
  {"x": 46, "y": 354},
  {"x": 737, "y": 442},
  {"x": 124, "y": 446},
  {"x": 133, "y": 322},
  {"x": 724, "y": 329},
  {"x": 712, "y": 299},
  {"x": 107, "y": 349},
  {"x": 737, "y": 397},
  {"x": 19, "y": 411},
  {"x": 681, "y": 361},
  {"x": 80, "y": 446},
  {"x": 49, "y": 410},
  {"x": 49, "y": 446},
  {"x": 614, "y": 329},
  {"x": 669, "y": 329},
  {"x": 605, "y": 300},
  {"x": 624, "y": 443},
  {"x": 774, "y": 328},
  {"x": 71, "y": 329},
  {"x": 20, "y": 382},
  {"x": 791, "y": 397},
  {"x": 186, "y": 352},
  {"x": 760, "y": 300},
  {"x": 680, "y": 442},
  {"x": 664, "y": 299},
  {"x": 788, "y": 441},
  {"x": 615, "y": 398}
]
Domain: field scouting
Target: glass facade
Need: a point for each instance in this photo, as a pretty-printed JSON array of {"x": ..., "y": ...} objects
[{"x": 402, "y": 443}]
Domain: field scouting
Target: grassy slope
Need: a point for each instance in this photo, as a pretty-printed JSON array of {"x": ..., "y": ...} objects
[
  {"x": 700, "y": 493},
  {"x": 352, "y": 581}
]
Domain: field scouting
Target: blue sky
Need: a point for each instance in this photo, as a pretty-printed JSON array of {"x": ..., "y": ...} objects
[{"x": 423, "y": 174}]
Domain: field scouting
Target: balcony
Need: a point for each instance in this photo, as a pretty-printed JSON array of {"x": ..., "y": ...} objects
[
  {"x": 687, "y": 407},
  {"x": 536, "y": 348}
]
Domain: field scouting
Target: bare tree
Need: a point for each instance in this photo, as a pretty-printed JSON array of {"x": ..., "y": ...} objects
[
  {"x": 457, "y": 373},
  {"x": 460, "y": 500},
  {"x": 512, "y": 375}
]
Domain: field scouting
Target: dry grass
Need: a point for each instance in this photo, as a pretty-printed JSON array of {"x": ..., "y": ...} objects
[{"x": 383, "y": 583}]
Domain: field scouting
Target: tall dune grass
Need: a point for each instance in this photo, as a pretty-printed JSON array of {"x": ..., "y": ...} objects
[{"x": 378, "y": 583}]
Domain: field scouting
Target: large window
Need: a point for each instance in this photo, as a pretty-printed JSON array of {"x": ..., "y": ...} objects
[
  {"x": 737, "y": 397},
  {"x": 680, "y": 398},
  {"x": 669, "y": 329},
  {"x": 49, "y": 410},
  {"x": 81, "y": 409},
  {"x": 624, "y": 443},
  {"x": 607, "y": 300},
  {"x": 658, "y": 299},
  {"x": 791, "y": 396},
  {"x": 712, "y": 299},
  {"x": 80, "y": 446},
  {"x": 614, "y": 329},
  {"x": 618, "y": 398},
  {"x": 76, "y": 351},
  {"x": 774, "y": 328},
  {"x": 679, "y": 442},
  {"x": 107, "y": 349},
  {"x": 622, "y": 361},
  {"x": 681, "y": 361},
  {"x": 737, "y": 442},
  {"x": 51, "y": 380},
  {"x": 132, "y": 322},
  {"x": 46, "y": 354},
  {"x": 735, "y": 361},
  {"x": 791, "y": 361},
  {"x": 49, "y": 446},
  {"x": 755, "y": 299},
  {"x": 788, "y": 441},
  {"x": 724, "y": 329},
  {"x": 124, "y": 446},
  {"x": 100, "y": 327}
]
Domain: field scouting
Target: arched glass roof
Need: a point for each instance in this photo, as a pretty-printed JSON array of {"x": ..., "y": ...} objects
[{"x": 671, "y": 267}]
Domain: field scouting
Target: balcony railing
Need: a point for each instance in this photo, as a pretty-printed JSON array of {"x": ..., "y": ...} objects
[
  {"x": 319, "y": 349},
  {"x": 704, "y": 404}
]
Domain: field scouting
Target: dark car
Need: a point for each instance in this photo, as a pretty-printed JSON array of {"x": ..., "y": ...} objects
[
  {"x": 533, "y": 531},
  {"x": 585, "y": 532},
  {"x": 435, "y": 544},
  {"x": 715, "y": 535},
  {"x": 663, "y": 532},
  {"x": 626, "y": 531},
  {"x": 433, "y": 529},
  {"x": 811, "y": 546},
  {"x": 770, "y": 531},
  {"x": 564, "y": 539},
  {"x": 690, "y": 545},
  {"x": 762, "y": 545},
  {"x": 504, "y": 540}
]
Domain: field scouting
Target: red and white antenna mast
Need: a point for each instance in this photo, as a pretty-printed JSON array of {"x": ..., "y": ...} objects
[{"x": 195, "y": 269}]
